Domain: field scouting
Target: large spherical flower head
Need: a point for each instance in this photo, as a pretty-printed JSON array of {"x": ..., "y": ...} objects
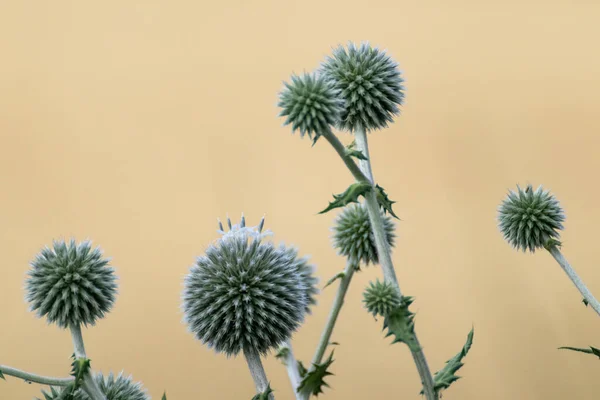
[
  {"x": 371, "y": 85},
  {"x": 354, "y": 238},
  {"x": 311, "y": 104},
  {"x": 120, "y": 387},
  {"x": 528, "y": 218},
  {"x": 246, "y": 293},
  {"x": 381, "y": 298},
  {"x": 71, "y": 284}
]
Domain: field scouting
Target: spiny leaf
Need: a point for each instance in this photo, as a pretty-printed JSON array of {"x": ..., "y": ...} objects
[
  {"x": 264, "y": 395},
  {"x": 584, "y": 301},
  {"x": 384, "y": 201},
  {"x": 334, "y": 344},
  {"x": 282, "y": 354},
  {"x": 339, "y": 275},
  {"x": 400, "y": 323},
  {"x": 351, "y": 151},
  {"x": 313, "y": 381},
  {"x": 79, "y": 368},
  {"x": 445, "y": 377},
  {"x": 591, "y": 350},
  {"x": 301, "y": 369},
  {"x": 349, "y": 196}
]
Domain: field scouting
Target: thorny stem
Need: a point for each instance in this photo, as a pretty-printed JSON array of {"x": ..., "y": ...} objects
[
  {"x": 585, "y": 292},
  {"x": 341, "y": 150},
  {"x": 89, "y": 383},
  {"x": 29, "y": 377},
  {"x": 385, "y": 259},
  {"x": 292, "y": 369},
  {"x": 257, "y": 371}
]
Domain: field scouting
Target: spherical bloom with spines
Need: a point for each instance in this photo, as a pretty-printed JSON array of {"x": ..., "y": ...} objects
[
  {"x": 114, "y": 388},
  {"x": 311, "y": 104},
  {"x": 381, "y": 298},
  {"x": 71, "y": 284},
  {"x": 528, "y": 218},
  {"x": 247, "y": 294},
  {"x": 371, "y": 86},
  {"x": 354, "y": 238}
]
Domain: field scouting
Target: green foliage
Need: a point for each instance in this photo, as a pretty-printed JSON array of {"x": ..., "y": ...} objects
[
  {"x": 164, "y": 396},
  {"x": 301, "y": 369},
  {"x": 445, "y": 377},
  {"x": 282, "y": 354},
  {"x": 2, "y": 375},
  {"x": 591, "y": 350},
  {"x": 351, "y": 151},
  {"x": 79, "y": 368},
  {"x": 264, "y": 395},
  {"x": 313, "y": 381},
  {"x": 384, "y": 201},
  {"x": 585, "y": 302},
  {"x": 400, "y": 324},
  {"x": 351, "y": 195},
  {"x": 339, "y": 275}
]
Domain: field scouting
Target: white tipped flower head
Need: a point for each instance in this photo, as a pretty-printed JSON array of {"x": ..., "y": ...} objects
[
  {"x": 528, "y": 218},
  {"x": 354, "y": 238},
  {"x": 381, "y": 298},
  {"x": 247, "y": 294},
  {"x": 311, "y": 104},
  {"x": 371, "y": 86},
  {"x": 114, "y": 388},
  {"x": 71, "y": 284}
]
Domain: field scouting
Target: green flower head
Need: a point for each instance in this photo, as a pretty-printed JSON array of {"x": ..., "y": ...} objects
[
  {"x": 381, "y": 298},
  {"x": 120, "y": 387}
]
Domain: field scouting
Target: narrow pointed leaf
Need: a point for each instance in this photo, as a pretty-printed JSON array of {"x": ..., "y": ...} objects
[
  {"x": 384, "y": 201},
  {"x": 351, "y": 195},
  {"x": 591, "y": 350},
  {"x": 446, "y": 376},
  {"x": 339, "y": 275}
]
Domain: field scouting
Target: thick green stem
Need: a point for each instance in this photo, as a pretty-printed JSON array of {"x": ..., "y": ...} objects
[
  {"x": 385, "y": 258},
  {"x": 89, "y": 383},
  {"x": 585, "y": 292},
  {"x": 257, "y": 371},
  {"x": 29, "y": 377}
]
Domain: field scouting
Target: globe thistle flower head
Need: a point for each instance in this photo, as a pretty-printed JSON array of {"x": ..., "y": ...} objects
[
  {"x": 311, "y": 103},
  {"x": 120, "y": 387},
  {"x": 246, "y": 293},
  {"x": 529, "y": 218},
  {"x": 370, "y": 84},
  {"x": 354, "y": 238},
  {"x": 71, "y": 284},
  {"x": 381, "y": 298}
]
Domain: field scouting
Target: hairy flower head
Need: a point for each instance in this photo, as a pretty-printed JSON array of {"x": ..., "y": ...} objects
[
  {"x": 528, "y": 218},
  {"x": 246, "y": 293},
  {"x": 381, "y": 298},
  {"x": 71, "y": 284},
  {"x": 120, "y": 387}
]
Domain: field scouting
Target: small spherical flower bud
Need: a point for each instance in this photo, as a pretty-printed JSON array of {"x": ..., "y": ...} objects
[
  {"x": 71, "y": 284},
  {"x": 354, "y": 238},
  {"x": 371, "y": 86},
  {"x": 114, "y": 388},
  {"x": 381, "y": 298},
  {"x": 311, "y": 104},
  {"x": 528, "y": 218},
  {"x": 246, "y": 293}
]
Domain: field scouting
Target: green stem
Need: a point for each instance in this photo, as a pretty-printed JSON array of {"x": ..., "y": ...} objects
[
  {"x": 341, "y": 150},
  {"x": 385, "y": 258},
  {"x": 89, "y": 383},
  {"x": 29, "y": 377},
  {"x": 257, "y": 371},
  {"x": 585, "y": 292},
  {"x": 292, "y": 369}
]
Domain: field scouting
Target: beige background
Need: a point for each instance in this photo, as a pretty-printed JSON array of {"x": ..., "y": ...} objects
[{"x": 137, "y": 124}]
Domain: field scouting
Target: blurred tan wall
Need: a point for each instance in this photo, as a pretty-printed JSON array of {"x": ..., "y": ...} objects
[{"x": 137, "y": 124}]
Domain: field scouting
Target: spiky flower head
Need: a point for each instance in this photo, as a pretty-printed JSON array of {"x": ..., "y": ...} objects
[
  {"x": 71, "y": 284},
  {"x": 120, "y": 387},
  {"x": 370, "y": 84},
  {"x": 311, "y": 103},
  {"x": 354, "y": 238},
  {"x": 528, "y": 218},
  {"x": 381, "y": 298},
  {"x": 247, "y": 294}
]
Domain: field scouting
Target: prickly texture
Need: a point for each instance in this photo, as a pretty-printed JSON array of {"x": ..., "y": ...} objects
[
  {"x": 381, "y": 298},
  {"x": 528, "y": 218},
  {"x": 354, "y": 238},
  {"x": 370, "y": 84},
  {"x": 120, "y": 387},
  {"x": 311, "y": 104},
  {"x": 246, "y": 293},
  {"x": 71, "y": 284}
]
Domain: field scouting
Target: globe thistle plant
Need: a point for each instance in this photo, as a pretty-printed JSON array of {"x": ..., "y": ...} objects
[
  {"x": 71, "y": 284},
  {"x": 120, "y": 387},
  {"x": 353, "y": 235},
  {"x": 381, "y": 298},
  {"x": 370, "y": 84},
  {"x": 311, "y": 103},
  {"x": 529, "y": 218}
]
